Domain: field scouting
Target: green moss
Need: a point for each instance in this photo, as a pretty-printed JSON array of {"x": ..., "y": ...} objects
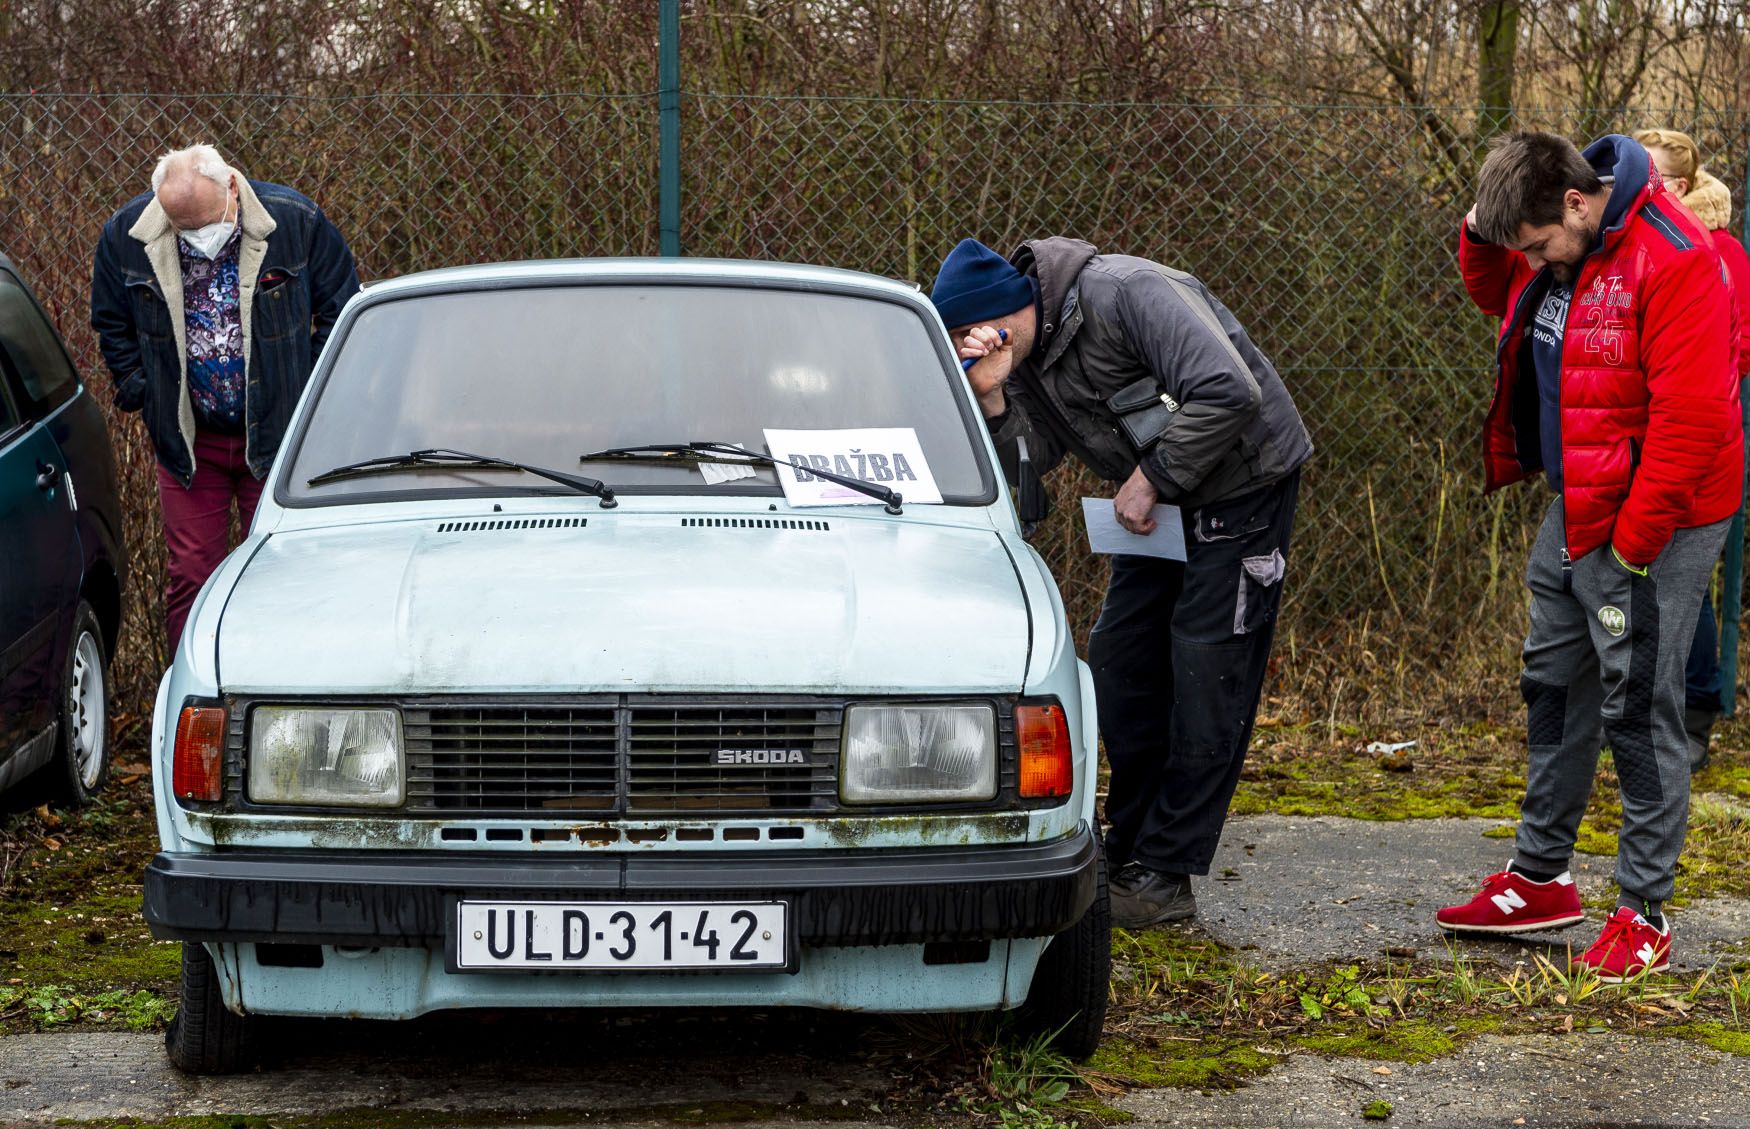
[
  {"x": 1208, "y": 1064},
  {"x": 1294, "y": 771},
  {"x": 1595, "y": 840},
  {"x": 1714, "y": 1035},
  {"x": 1415, "y": 1040},
  {"x": 1102, "y": 1113},
  {"x": 1384, "y": 796},
  {"x": 1376, "y": 1110},
  {"x": 1728, "y": 770},
  {"x": 1153, "y": 948},
  {"x": 1500, "y": 833},
  {"x": 93, "y": 943}
]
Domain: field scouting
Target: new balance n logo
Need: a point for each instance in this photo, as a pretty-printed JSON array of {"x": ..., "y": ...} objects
[
  {"x": 1508, "y": 902},
  {"x": 1645, "y": 954}
]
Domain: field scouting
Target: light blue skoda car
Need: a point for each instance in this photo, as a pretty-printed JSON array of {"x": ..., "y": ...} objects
[{"x": 538, "y": 682}]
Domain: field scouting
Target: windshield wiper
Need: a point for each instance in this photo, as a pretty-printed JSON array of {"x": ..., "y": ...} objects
[
  {"x": 705, "y": 452},
  {"x": 444, "y": 458}
]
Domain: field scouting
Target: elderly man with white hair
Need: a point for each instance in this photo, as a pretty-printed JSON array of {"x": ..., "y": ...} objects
[{"x": 211, "y": 296}]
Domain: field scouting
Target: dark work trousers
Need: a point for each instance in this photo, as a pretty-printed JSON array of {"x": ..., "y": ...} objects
[
  {"x": 1701, "y": 675},
  {"x": 1179, "y": 656}
]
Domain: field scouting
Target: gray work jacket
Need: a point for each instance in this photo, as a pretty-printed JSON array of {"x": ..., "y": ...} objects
[{"x": 1106, "y": 321}]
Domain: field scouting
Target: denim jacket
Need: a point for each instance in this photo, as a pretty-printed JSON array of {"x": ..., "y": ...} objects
[{"x": 295, "y": 274}]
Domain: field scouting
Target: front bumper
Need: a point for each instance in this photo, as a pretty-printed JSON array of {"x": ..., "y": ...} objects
[{"x": 839, "y": 898}]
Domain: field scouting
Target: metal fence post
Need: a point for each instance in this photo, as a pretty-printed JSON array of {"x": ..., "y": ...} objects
[
  {"x": 668, "y": 106},
  {"x": 1732, "y": 583}
]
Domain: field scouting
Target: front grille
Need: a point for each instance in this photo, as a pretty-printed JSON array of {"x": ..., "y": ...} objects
[
  {"x": 623, "y": 756},
  {"x": 732, "y": 758},
  {"x": 642, "y": 758},
  {"x": 507, "y": 759}
]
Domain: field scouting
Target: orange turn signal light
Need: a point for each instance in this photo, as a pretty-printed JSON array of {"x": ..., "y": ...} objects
[
  {"x": 200, "y": 745},
  {"x": 1047, "y": 765}
]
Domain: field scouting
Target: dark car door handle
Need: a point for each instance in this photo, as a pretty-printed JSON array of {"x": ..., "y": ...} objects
[{"x": 45, "y": 475}]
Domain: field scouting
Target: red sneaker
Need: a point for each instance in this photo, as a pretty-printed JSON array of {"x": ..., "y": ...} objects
[
  {"x": 1629, "y": 947},
  {"x": 1513, "y": 903}
]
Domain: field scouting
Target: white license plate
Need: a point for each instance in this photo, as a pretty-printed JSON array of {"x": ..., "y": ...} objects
[{"x": 620, "y": 935}]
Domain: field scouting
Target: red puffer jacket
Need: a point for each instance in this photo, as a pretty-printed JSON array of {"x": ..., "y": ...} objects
[{"x": 1651, "y": 434}]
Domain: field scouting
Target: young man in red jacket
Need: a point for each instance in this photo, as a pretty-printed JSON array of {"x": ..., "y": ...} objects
[{"x": 1616, "y": 379}]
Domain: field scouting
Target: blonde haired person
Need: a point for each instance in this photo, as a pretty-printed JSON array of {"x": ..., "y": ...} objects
[{"x": 1679, "y": 162}]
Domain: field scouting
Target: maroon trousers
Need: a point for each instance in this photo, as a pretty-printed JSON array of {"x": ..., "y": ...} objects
[{"x": 197, "y": 519}]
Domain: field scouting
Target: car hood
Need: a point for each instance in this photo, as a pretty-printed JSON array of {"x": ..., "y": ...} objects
[{"x": 627, "y": 603}]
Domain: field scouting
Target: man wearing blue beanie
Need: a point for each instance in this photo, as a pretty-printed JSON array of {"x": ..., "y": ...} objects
[{"x": 1139, "y": 372}]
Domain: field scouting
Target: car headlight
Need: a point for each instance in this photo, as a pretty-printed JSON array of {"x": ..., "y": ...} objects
[
  {"x": 348, "y": 757},
  {"x": 895, "y": 754}
]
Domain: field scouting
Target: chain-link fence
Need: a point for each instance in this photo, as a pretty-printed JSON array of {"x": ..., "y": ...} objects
[{"x": 1328, "y": 231}]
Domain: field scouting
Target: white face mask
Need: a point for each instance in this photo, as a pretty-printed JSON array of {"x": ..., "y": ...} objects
[{"x": 209, "y": 239}]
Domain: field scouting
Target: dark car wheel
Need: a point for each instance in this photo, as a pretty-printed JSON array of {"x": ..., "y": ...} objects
[
  {"x": 83, "y": 764},
  {"x": 1067, "y": 999},
  {"x": 206, "y": 1037}
]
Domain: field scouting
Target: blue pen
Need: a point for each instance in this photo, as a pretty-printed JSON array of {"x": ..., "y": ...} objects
[{"x": 967, "y": 362}]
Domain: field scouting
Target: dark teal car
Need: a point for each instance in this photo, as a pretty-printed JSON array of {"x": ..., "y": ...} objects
[{"x": 62, "y": 566}]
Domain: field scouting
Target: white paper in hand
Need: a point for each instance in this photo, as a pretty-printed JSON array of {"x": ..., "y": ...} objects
[
  {"x": 1105, "y": 535},
  {"x": 886, "y": 456}
]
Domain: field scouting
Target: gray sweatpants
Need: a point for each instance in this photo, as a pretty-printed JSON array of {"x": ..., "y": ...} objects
[{"x": 1604, "y": 664}]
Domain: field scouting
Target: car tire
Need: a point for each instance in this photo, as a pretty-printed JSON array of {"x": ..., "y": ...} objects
[
  {"x": 206, "y": 1037},
  {"x": 1068, "y": 996},
  {"x": 82, "y": 766}
]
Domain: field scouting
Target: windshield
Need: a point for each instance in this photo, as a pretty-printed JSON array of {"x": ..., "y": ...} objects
[{"x": 542, "y": 375}]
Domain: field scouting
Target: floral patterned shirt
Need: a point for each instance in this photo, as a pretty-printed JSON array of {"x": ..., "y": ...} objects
[{"x": 213, "y": 316}]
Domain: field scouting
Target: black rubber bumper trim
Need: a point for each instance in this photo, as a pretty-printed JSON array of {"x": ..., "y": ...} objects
[{"x": 836, "y": 898}]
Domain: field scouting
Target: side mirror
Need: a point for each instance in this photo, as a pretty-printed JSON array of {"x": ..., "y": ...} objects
[{"x": 1033, "y": 504}]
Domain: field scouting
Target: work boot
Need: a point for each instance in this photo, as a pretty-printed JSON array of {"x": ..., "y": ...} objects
[
  {"x": 1698, "y": 722},
  {"x": 1150, "y": 897},
  {"x": 1127, "y": 878}
]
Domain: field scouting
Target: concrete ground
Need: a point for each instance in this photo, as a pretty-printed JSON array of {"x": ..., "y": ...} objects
[
  {"x": 1596, "y": 1081},
  {"x": 1304, "y": 890},
  {"x": 1286, "y": 891}
]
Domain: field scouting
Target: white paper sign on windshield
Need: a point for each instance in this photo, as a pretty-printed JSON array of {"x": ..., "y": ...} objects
[
  {"x": 887, "y": 456},
  {"x": 716, "y": 474}
]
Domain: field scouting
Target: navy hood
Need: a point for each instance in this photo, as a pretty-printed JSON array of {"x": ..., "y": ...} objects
[{"x": 1625, "y": 159}]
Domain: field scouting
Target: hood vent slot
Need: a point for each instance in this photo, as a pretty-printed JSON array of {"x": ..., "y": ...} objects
[
  {"x": 486, "y": 526},
  {"x": 752, "y": 523}
]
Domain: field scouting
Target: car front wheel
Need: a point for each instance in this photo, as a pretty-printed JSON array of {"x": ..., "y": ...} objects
[
  {"x": 1067, "y": 999},
  {"x": 206, "y": 1037}
]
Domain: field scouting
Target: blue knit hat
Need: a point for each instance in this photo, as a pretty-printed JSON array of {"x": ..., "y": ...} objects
[{"x": 976, "y": 284}]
